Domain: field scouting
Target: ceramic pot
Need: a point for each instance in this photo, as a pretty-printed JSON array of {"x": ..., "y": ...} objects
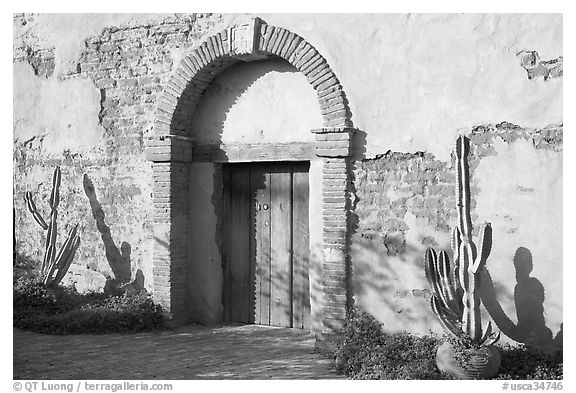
[{"x": 484, "y": 363}]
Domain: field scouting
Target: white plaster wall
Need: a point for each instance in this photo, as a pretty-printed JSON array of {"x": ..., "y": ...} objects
[
  {"x": 259, "y": 102},
  {"x": 521, "y": 195},
  {"x": 414, "y": 80},
  {"x": 65, "y": 112}
]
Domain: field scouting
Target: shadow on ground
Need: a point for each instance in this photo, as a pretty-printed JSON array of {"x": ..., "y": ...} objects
[{"x": 188, "y": 353}]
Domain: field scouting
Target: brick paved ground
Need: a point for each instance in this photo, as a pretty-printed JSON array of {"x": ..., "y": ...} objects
[{"x": 191, "y": 352}]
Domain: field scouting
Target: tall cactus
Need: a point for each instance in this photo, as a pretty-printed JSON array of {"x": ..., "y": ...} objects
[
  {"x": 456, "y": 299},
  {"x": 55, "y": 265}
]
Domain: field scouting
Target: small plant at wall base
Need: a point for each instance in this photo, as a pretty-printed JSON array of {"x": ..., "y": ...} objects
[
  {"x": 55, "y": 264},
  {"x": 366, "y": 352},
  {"x": 62, "y": 310},
  {"x": 468, "y": 353}
]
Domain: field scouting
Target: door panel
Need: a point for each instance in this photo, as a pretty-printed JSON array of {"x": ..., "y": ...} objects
[
  {"x": 281, "y": 247},
  {"x": 260, "y": 186},
  {"x": 239, "y": 270},
  {"x": 266, "y": 244}
]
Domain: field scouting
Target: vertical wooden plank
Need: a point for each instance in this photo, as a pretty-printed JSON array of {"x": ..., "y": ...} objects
[
  {"x": 260, "y": 189},
  {"x": 239, "y": 240},
  {"x": 254, "y": 274},
  {"x": 281, "y": 247},
  {"x": 226, "y": 244},
  {"x": 300, "y": 247}
]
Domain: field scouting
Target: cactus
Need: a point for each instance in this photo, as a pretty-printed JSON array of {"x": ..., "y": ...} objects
[
  {"x": 55, "y": 265},
  {"x": 456, "y": 299}
]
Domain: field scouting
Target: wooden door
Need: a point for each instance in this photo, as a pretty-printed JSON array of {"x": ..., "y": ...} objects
[{"x": 266, "y": 244}]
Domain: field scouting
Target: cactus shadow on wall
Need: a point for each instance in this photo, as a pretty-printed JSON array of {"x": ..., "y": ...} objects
[
  {"x": 529, "y": 295},
  {"x": 118, "y": 258}
]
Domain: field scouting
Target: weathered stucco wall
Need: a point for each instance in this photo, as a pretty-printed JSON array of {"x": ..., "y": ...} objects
[
  {"x": 85, "y": 89},
  {"x": 406, "y": 203}
]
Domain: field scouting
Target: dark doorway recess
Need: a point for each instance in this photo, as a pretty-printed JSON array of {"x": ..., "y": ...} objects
[{"x": 266, "y": 244}]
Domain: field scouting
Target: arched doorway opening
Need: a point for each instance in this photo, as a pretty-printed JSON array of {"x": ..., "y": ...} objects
[{"x": 173, "y": 151}]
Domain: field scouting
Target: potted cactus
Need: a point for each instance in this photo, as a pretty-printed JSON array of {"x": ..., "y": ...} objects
[{"x": 468, "y": 352}]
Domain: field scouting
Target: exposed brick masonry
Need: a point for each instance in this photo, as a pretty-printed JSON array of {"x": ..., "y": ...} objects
[{"x": 392, "y": 184}]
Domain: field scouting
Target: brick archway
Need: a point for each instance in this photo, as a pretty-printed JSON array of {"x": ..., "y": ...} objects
[{"x": 171, "y": 150}]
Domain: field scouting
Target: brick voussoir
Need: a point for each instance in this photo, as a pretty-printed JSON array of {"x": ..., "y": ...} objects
[
  {"x": 292, "y": 47},
  {"x": 179, "y": 79},
  {"x": 203, "y": 51},
  {"x": 286, "y": 44},
  {"x": 272, "y": 38},
  {"x": 279, "y": 41},
  {"x": 165, "y": 108},
  {"x": 195, "y": 64},
  {"x": 304, "y": 59},
  {"x": 329, "y": 86},
  {"x": 313, "y": 64},
  {"x": 201, "y": 57},
  {"x": 322, "y": 78},
  {"x": 306, "y": 48},
  {"x": 188, "y": 66},
  {"x": 321, "y": 69},
  {"x": 297, "y": 50},
  {"x": 214, "y": 41},
  {"x": 266, "y": 32},
  {"x": 200, "y": 62},
  {"x": 262, "y": 32},
  {"x": 223, "y": 39},
  {"x": 217, "y": 44},
  {"x": 185, "y": 70},
  {"x": 172, "y": 92}
]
